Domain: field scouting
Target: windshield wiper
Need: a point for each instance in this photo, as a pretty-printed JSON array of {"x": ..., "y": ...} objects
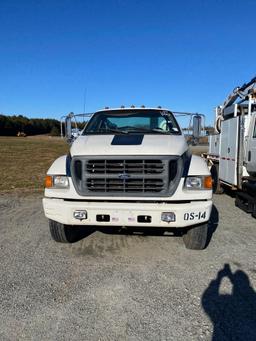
[
  {"x": 145, "y": 130},
  {"x": 114, "y": 131},
  {"x": 160, "y": 131}
]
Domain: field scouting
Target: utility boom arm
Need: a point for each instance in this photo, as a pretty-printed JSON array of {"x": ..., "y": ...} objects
[{"x": 240, "y": 91}]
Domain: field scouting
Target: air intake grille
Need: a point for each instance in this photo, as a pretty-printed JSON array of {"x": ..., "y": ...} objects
[{"x": 143, "y": 176}]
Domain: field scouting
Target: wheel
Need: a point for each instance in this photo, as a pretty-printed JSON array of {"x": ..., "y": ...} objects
[
  {"x": 216, "y": 186},
  {"x": 62, "y": 233},
  {"x": 196, "y": 237}
]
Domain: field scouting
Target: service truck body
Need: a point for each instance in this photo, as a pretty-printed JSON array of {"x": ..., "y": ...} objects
[
  {"x": 121, "y": 176},
  {"x": 232, "y": 151}
]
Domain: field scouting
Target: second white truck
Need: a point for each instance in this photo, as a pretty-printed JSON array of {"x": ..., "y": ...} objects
[
  {"x": 232, "y": 151},
  {"x": 130, "y": 167}
]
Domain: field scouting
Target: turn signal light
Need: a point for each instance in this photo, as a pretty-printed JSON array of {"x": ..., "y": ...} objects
[
  {"x": 208, "y": 182},
  {"x": 48, "y": 183}
]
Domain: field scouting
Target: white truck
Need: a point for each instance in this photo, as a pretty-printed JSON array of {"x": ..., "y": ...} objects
[
  {"x": 232, "y": 150},
  {"x": 130, "y": 167}
]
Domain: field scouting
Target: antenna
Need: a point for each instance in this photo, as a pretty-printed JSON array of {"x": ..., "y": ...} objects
[{"x": 85, "y": 95}]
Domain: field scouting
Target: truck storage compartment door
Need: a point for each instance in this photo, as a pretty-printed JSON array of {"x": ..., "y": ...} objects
[
  {"x": 229, "y": 150},
  {"x": 214, "y": 145},
  {"x": 251, "y": 151}
]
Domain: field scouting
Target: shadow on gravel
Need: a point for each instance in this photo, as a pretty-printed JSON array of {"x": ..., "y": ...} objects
[
  {"x": 231, "y": 193},
  {"x": 213, "y": 224},
  {"x": 233, "y": 315},
  {"x": 79, "y": 232},
  {"x": 143, "y": 231}
]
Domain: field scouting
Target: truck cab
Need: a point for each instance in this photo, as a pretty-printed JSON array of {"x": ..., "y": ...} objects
[{"x": 130, "y": 167}]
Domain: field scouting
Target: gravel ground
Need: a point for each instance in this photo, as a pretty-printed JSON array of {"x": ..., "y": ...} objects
[{"x": 125, "y": 287}]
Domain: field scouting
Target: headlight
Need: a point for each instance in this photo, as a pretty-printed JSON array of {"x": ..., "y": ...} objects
[
  {"x": 60, "y": 181},
  {"x": 56, "y": 181},
  {"x": 198, "y": 182}
]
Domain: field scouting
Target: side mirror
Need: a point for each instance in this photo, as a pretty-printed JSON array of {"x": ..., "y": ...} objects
[
  {"x": 73, "y": 127},
  {"x": 68, "y": 128},
  {"x": 197, "y": 126}
]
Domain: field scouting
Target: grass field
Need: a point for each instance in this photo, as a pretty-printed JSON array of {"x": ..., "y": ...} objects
[{"x": 25, "y": 161}]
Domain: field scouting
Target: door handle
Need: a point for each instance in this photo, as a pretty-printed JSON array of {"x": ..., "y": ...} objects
[{"x": 249, "y": 155}]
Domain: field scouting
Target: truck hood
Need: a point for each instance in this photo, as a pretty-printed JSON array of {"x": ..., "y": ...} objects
[{"x": 149, "y": 145}]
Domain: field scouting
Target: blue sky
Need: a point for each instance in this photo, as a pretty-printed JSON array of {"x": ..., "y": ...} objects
[{"x": 184, "y": 55}]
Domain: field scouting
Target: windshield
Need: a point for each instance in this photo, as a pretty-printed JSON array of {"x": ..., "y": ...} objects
[{"x": 132, "y": 121}]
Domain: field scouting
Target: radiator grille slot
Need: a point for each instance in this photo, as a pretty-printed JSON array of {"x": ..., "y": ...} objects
[
  {"x": 125, "y": 166},
  {"x": 129, "y": 185}
]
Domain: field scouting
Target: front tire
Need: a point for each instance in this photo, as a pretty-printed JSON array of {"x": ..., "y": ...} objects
[
  {"x": 196, "y": 237},
  {"x": 62, "y": 233}
]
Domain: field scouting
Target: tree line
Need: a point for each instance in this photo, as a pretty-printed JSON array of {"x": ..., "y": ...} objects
[{"x": 12, "y": 125}]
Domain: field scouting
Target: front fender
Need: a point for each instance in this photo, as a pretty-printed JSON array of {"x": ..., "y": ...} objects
[
  {"x": 59, "y": 166},
  {"x": 198, "y": 166}
]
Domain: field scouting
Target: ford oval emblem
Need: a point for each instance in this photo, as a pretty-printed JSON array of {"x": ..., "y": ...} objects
[{"x": 124, "y": 176}]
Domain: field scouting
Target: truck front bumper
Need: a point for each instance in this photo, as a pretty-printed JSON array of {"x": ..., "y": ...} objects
[{"x": 127, "y": 214}]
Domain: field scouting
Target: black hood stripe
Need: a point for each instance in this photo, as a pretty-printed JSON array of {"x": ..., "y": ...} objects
[{"x": 127, "y": 140}]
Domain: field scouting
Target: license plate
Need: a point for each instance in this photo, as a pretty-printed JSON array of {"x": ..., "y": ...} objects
[{"x": 195, "y": 215}]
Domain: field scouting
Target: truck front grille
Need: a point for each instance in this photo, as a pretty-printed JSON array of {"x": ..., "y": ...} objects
[{"x": 144, "y": 176}]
